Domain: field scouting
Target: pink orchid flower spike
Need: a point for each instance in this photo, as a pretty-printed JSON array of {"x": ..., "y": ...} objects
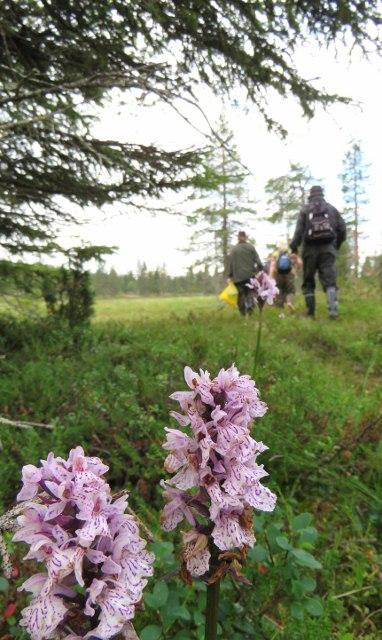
[
  {"x": 96, "y": 563},
  {"x": 216, "y": 481}
]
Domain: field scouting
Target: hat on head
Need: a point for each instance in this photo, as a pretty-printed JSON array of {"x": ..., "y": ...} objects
[{"x": 315, "y": 191}]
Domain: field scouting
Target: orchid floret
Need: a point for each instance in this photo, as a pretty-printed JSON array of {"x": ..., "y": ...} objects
[
  {"x": 264, "y": 288},
  {"x": 78, "y": 532},
  {"x": 216, "y": 482}
]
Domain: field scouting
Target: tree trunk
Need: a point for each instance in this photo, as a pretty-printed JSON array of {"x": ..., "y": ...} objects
[
  {"x": 356, "y": 216},
  {"x": 224, "y": 219}
]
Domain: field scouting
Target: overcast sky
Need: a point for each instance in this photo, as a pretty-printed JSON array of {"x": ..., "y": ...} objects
[{"x": 319, "y": 143}]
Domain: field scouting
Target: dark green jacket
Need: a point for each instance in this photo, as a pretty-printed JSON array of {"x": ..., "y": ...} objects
[{"x": 243, "y": 262}]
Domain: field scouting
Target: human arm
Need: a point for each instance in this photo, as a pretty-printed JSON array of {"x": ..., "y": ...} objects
[
  {"x": 229, "y": 270},
  {"x": 256, "y": 260},
  {"x": 299, "y": 233},
  {"x": 296, "y": 260},
  {"x": 340, "y": 230}
]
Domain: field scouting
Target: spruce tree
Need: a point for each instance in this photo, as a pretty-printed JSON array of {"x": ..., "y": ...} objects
[
  {"x": 354, "y": 179},
  {"x": 286, "y": 195},
  {"x": 223, "y": 198},
  {"x": 62, "y": 60}
]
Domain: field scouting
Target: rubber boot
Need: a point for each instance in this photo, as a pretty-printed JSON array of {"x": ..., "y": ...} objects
[
  {"x": 331, "y": 295},
  {"x": 310, "y": 301}
]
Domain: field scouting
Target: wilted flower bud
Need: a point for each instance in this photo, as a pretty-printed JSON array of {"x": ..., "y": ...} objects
[{"x": 196, "y": 554}]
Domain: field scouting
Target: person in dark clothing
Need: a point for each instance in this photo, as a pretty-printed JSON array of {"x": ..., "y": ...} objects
[
  {"x": 321, "y": 230},
  {"x": 243, "y": 264}
]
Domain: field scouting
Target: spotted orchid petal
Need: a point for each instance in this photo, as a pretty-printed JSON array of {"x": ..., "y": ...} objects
[
  {"x": 228, "y": 533},
  {"x": 176, "y": 440},
  {"x": 31, "y": 477},
  {"x": 43, "y": 616},
  {"x": 96, "y": 526},
  {"x": 183, "y": 420},
  {"x": 186, "y": 478},
  {"x": 116, "y": 610},
  {"x": 260, "y": 497},
  {"x": 34, "y": 584}
]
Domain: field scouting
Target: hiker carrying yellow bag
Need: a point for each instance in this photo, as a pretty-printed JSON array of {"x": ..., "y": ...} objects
[{"x": 229, "y": 294}]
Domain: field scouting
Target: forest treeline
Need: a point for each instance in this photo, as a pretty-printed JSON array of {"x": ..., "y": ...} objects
[
  {"x": 156, "y": 282},
  {"x": 54, "y": 285}
]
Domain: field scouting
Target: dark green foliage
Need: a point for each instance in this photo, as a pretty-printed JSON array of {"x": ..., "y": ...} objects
[
  {"x": 222, "y": 200},
  {"x": 20, "y": 277},
  {"x": 344, "y": 263},
  {"x": 60, "y": 61},
  {"x": 275, "y": 569},
  {"x": 66, "y": 290},
  {"x": 157, "y": 282},
  {"x": 372, "y": 269},
  {"x": 71, "y": 297},
  {"x": 354, "y": 179},
  {"x": 286, "y": 195},
  {"x": 322, "y": 384}
]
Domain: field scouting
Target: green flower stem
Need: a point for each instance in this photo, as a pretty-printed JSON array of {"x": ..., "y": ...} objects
[
  {"x": 258, "y": 341},
  {"x": 213, "y": 590},
  {"x": 212, "y": 610}
]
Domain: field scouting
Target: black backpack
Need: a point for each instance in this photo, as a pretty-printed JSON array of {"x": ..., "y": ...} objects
[
  {"x": 284, "y": 263},
  {"x": 318, "y": 227}
]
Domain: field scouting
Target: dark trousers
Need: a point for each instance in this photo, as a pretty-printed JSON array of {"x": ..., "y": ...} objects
[
  {"x": 245, "y": 297},
  {"x": 325, "y": 264},
  {"x": 286, "y": 286}
]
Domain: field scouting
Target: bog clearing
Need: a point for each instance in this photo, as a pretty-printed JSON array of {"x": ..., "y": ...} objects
[{"x": 316, "y": 569}]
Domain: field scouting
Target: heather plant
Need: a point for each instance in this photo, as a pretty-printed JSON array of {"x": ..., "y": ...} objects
[
  {"x": 216, "y": 485},
  {"x": 264, "y": 292},
  {"x": 95, "y": 561}
]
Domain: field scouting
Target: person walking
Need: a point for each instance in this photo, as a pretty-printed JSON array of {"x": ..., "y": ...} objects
[
  {"x": 283, "y": 267},
  {"x": 321, "y": 230},
  {"x": 243, "y": 264}
]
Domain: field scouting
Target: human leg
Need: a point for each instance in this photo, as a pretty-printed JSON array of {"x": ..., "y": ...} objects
[
  {"x": 309, "y": 284},
  {"x": 290, "y": 290},
  {"x": 245, "y": 301},
  {"x": 327, "y": 275},
  {"x": 281, "y": 296},
  {"x": 249, "y": 301},
  {"x": 241, "y": 298}
]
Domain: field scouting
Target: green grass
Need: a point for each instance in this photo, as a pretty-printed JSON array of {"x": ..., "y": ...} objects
[
  {"x": 127, "y": 309},
  {"x": 321, "y": 381}
]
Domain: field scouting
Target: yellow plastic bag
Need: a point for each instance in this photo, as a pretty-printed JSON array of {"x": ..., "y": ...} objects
[{"x": 229, "y": 294}]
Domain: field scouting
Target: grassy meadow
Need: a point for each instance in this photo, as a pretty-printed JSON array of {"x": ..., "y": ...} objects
[{"x": 316, "y": 570}]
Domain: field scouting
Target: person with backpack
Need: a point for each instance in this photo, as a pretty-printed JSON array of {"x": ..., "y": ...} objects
[
  {"x": 321, "y": 230},
  {"x": 243, "y": 264},
  {"x": 282, "y": 269}
]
